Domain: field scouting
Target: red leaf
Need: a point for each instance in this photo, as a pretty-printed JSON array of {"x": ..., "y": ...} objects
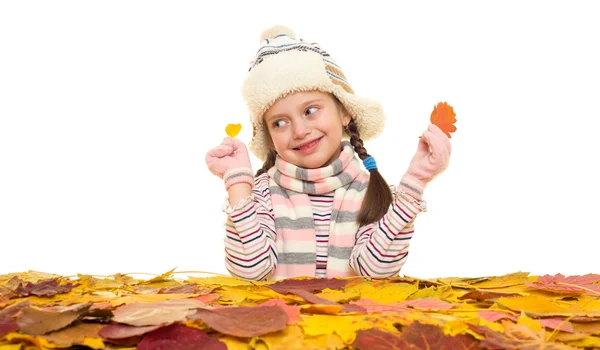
[
  {"x": 309, "y": 284},
  {"x": 493, "y": 316},
  {"x": 415, "y": 336},
  {"x": 516, "y": 337},
  {"x": 376, "y": 339},
  {"x": 208, "y": 298},
  {"x": 423, "y": 303},
  {"x": 568, "y": 285},
  {"x": 548, "y": 322},
  {"x": 444, "y": 117},
  {"x": 178, "y": 337},
  {"x": 292, "y": 311},
  {"x": 7, "y": 325},
  {"x": 313, "y": 299},
  {"x": 120, "y": 331},
  {"x": 244, "y": 322},
  {"x": 480, "y": 295},
  {"x": 45, "y": 288}
]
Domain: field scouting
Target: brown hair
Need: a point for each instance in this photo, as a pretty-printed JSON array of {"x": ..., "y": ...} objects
[{"x": 378, "y": 197}]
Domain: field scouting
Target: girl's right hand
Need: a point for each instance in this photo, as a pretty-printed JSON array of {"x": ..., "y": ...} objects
[{"x": 229, "y": 155}]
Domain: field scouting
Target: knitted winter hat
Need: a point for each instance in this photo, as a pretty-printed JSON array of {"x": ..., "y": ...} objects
[{"x": 284, "y": 65}]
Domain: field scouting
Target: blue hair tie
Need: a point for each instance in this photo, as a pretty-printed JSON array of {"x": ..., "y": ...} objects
[{"x": 370, "y": 163}]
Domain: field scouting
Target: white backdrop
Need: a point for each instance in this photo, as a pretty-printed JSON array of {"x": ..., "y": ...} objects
[{"x": 108, "y": 108}]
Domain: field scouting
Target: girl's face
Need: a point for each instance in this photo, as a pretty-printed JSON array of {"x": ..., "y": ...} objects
[{"x": 306, "y": 128}]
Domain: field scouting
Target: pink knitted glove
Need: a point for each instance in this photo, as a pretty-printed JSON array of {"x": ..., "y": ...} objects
[
  {"x": 231, "y": 162},
  {"x": 430, "y": 160}
]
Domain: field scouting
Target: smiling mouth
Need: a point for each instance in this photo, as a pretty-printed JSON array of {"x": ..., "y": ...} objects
[{"x": 308, "y": 145}]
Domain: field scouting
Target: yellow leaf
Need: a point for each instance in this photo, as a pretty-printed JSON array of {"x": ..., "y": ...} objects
[
  {"x": 289, "y": 338},
  {"x": 233, "y": 129},
  {"x": 537, "y": 306},
  {"x": 234, "y": 343},
  {"x": 162, "y": 278},
  {"x": 339, "y": 296},
  {"x": 529, "y": 322},
  {"x": 344, "y": 326},
  {"x": 218, "y": 281},
  {"x": 325, "y": 341},
  {"x": 148, "y": 298},
  {"x": 10, "y": 347},
  {"x": 592, "y": 342},
  {"x": 382, "y": 292}
]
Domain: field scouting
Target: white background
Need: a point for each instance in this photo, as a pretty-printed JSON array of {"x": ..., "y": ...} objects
[{"x": 108, "y": 108}]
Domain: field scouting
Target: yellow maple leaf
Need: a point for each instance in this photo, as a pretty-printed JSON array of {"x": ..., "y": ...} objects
[
  {"x": 233, "y": 129},
  {"x": 382, "y": 292}
]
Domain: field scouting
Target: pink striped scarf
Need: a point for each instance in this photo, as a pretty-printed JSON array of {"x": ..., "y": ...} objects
[{"x": 294, "y": 224}]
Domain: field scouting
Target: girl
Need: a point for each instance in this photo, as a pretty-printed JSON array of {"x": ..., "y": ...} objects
[{"x": 311, "y": 210}]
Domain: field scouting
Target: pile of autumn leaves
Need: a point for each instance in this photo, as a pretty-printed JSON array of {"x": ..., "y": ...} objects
[{"x": 515, "y": 311}]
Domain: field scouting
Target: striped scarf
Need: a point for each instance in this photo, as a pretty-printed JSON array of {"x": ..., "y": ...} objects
[{"x": 294, "y": 224}]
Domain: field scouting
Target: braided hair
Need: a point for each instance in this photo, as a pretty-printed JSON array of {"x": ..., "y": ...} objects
[{"x": 378, "y": 197}]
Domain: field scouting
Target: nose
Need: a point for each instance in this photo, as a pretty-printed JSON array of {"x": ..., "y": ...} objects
[{"x": 300, "y": 129}]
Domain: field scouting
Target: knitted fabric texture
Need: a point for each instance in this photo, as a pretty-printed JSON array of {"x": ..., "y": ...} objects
[
  {"x": 294, "y": 223},
  {"x": 284, "y": 65}
]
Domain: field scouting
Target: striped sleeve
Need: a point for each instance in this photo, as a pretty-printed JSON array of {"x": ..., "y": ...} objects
[
  {"x": 250, "y": 251},
  {"x": 381, "y": 248}
]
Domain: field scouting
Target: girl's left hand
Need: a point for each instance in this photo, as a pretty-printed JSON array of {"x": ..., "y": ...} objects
[{"x": 430, "y": 160}]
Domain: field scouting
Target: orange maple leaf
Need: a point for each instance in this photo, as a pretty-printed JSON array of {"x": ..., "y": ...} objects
[{"x": 444, "y": 117}]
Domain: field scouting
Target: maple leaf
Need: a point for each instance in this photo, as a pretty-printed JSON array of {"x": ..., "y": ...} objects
[
  {"x": 120, "y": 331},
  {"x": 313, "y": 299},
  {"x": 481, "y": 295},
  {"x": 37, "y": 321},
  {"x": 423, "y": 303},
  {"x": 244, "y": 321},
  {"x": 85, "y": 334},
  {"x": 6, "y": 292},
  {"x": 415, "y": 336},
  {"x": 568, "y": 285},
  {"x": 45, "y": 288},
  {"x": 377, "y": 339},
  {"x": 292, "y": 311},
  {"x": 152, "y": 314},
  {"x": 233, "y": 129},
  {"x": 516, "y": 337},
  {"x": 308, "y": 284},
  {"x": 178, "y": 337},
  {"x": 186, "y": 289},
  {"x": 7, "y": 322},
  {"x": 444, "y": 117}
]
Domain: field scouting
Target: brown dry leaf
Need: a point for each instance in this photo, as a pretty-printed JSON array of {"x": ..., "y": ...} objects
[
  {"x": 46, "y": 288},
  {"x": 233, "y": 129},
  {"x": 481, "y": 295},
  {"x": 444, "y": 117},
  {"x": 244, "y": 321},
  {"x": 152, "y": 314},
  {"x": 36, "y": 321}
]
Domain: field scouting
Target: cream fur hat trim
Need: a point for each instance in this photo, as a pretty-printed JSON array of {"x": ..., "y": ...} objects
[{"x": 284, "y": 65}]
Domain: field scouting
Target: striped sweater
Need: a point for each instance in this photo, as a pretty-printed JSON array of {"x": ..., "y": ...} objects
[{"x": 380, "y": 248}]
